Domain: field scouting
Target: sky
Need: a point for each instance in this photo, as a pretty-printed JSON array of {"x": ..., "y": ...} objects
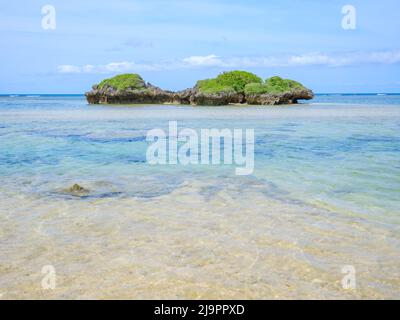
[{"x": 172, "y": 44}]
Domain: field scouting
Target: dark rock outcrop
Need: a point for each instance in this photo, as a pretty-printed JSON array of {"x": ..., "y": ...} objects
[
  {"x": 76, "y": 189},
  {"x": 194, "y": 96},
  {"x": 290, "y": 97},
  {"x": 148, "y": 95}
]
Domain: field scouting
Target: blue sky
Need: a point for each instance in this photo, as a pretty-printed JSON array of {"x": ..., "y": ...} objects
[{"x": 174, "y": 43}]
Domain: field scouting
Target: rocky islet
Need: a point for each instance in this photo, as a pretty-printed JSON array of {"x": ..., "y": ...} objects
[{"x": 235, "y": 87}]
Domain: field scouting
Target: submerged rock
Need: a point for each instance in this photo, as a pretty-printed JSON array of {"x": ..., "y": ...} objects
[
  {"x": 77, "y": 189},
  {"x": 235, "y": 87}
]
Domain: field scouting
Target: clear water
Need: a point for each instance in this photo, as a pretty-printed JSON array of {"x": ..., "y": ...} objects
[{"x": 324, "y": 194}]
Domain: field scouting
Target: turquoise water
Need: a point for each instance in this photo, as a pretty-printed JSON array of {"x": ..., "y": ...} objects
[
  {"x": 326, "y": 177},
  {"x": 332, "y": 151}
]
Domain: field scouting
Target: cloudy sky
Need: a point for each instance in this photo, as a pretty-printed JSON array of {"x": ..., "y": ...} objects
[{"x": 174, "y": 43}]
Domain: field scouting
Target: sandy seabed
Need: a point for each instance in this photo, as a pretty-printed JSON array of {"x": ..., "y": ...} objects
[{"x": 196, "y": 242}]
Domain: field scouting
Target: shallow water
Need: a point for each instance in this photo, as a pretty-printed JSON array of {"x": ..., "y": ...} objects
[{"x": 323, "y": 195}]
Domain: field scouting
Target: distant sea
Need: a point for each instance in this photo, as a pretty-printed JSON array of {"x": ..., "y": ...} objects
[{"x": 324, "y": 195}]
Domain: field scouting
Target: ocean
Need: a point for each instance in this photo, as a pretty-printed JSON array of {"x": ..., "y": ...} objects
[{"x": 323, "y": 199}]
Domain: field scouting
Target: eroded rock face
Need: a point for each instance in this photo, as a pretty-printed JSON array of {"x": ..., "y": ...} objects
[
  {"x": 154, "y": 95},
  {"x": 194, "y": 97},
  {"x": 150, "y": 94},
  {"x": 291, "y": 97}
]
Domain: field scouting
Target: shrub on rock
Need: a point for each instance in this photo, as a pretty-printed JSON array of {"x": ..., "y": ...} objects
[
  {"x": 273, "y": 85},
  {"x": 233, "y": 81},
  {"x": 123, "y": 82}
]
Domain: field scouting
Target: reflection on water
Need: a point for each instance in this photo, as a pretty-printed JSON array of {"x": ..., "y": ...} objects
[{"x": 324, "y": 194}]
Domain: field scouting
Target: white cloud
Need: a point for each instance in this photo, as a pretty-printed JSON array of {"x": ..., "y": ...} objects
[
  {"x": 314, "y": 59},
  {"x": 308, "y": 59},
  {"x": 203, "y": 61},
  {"x": 106, "y": 68},
  {"x": 345, "y": 59},
  {"x": 68, "y": 69}
]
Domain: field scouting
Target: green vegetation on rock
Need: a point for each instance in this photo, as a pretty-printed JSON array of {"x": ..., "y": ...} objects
[
  {"x": 211, "y": 86},
  {"x": 255, "y": 88},
  {"x": 123, "y": 82},
  {"x": 247, "y": 83},
  {"x": 274, "y": 85},
  {"x": 238, "y": 79},
  {"x": 233, "y": 81}
]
